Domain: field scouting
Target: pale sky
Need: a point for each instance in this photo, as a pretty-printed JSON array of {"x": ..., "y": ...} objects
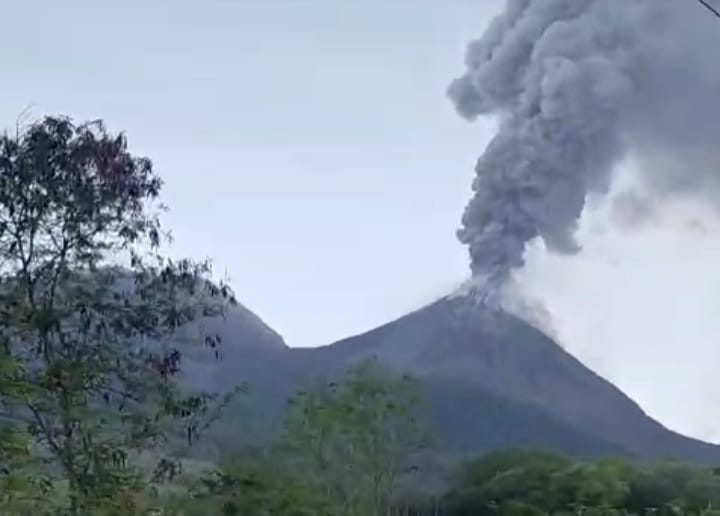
[{"x": 309, "y": 149}]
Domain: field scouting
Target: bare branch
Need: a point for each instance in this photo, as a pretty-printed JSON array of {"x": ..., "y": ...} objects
[{"x": 710, "y": 8}]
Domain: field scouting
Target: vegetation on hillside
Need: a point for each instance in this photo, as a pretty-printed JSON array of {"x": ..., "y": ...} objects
[{"x": 92, "y": 414}]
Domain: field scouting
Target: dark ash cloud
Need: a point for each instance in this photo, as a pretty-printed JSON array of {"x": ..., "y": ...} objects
[{"x": 577, "y": 85}]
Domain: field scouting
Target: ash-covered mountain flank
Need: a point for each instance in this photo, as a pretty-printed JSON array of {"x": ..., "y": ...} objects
[{"x": 490, "y": 380}]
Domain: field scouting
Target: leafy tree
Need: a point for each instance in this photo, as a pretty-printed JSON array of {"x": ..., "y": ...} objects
[
  {"x": 255, "y": 485},
  {"x": 520, "y": 509},
  {"x": 91, "y": 312},
  {"x": 523, "y": 482},
  {"x": 517, "y": 476},
  {"x": 357, "y": 438},
  {"x": 490, "y": 466},
  {"x": 671, "y": 486},
  {"x": 22, "y": 491}
]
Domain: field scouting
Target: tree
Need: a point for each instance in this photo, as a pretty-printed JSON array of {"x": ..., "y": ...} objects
[
  {"x": 21, "y": 491},
  {"x": 524, "y": 482},
  {"x": 358, "y": 437},
  {"x": 90, "y": 310},
  {"x": 714, "y": 11},
  {"x": 542, "y": 481},
  {"x": 674, "y": 485},
  {"x": 253, "y": 484}
]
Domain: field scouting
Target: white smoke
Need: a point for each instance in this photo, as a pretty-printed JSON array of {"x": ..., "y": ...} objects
[{"x": 639, "y": 304}]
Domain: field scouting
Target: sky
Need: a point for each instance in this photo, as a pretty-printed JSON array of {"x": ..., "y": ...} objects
[
  {"x": 307, "y": 145},
  {"x": 309, "y": 149}
]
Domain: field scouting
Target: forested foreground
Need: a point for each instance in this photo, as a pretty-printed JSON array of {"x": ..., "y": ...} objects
[{"x": 94, "y": 419}]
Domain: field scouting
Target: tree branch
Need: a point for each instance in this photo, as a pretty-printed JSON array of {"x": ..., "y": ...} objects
[{"x": 710, "y": 8}]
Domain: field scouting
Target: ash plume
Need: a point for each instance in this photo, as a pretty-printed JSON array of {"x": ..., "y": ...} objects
[{"x": 577, "y": 85}]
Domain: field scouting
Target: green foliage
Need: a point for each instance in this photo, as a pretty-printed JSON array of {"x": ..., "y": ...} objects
[
  {"x": 542, "y": 483},
  {"x": 346, "y": 448},
  {"x": 22, "y": 489},
  {"x": 255, "y": 486},
  {"x": 89, "y": 350},
  {"x": 358, "y": 438}
]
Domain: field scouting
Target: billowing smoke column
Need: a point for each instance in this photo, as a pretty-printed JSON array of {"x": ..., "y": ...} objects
[{"x": 576, "y": 84}]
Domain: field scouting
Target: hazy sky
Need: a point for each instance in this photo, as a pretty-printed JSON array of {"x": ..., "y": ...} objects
[{"x": 308, "y": 147}]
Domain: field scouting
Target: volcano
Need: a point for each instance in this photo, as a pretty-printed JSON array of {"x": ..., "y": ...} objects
[{"x": 490, "y": 381}]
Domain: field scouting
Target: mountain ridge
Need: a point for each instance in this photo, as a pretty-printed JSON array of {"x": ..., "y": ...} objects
[{"x": 490, "y": 378}]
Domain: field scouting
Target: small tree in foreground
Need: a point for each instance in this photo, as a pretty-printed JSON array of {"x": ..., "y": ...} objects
[
  {"x": 357, "y": 438},
  {"x": 347, "y": 447},
  {"x": 90, "y": 311}
]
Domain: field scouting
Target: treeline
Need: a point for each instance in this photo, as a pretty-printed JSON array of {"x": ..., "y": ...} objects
[
  {"x": 355, "y": 449},
  {"x": 527, "y": 482},
  {"x": 93, "y": 418}
]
